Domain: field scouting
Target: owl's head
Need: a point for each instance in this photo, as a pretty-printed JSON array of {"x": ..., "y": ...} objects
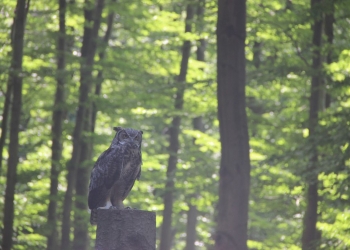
[{"x": 128, "y": 137}]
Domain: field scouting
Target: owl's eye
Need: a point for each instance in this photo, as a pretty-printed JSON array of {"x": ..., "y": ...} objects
[
  {"x": 123, "y": 136},
  {"x": 136, "y": 137}
]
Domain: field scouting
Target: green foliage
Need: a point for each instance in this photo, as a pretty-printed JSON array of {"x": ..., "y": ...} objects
[{"x": 141, "y": 64}]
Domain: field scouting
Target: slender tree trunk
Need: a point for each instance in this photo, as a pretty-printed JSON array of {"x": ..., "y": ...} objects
[
  {"x": 81, "y": 216},
  {"x": 191, "y": 234},
  {"x": 309, "y": 236},
  {"x": 256, "y": 54},
  {"x": 5, "y": 118},
  {"x": 7, "y": 106},
  {"x": 174, "y": 131},
  {"x": 98, "y": 88},
  {"x": 200, "y": 53},
  {"x": 324, "y": 96},
  {"x": 16, "y": 78},
  {"x": 57, "y": 120},
  {"x": 235, "y": 164},
  {"x": 88, "y": 52},
  {"x": 328, "y": 29},
  {"x": 192, "y": 213}
]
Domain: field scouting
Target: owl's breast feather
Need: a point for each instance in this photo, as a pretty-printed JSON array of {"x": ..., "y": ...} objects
[{"x": 126, "y": 167}]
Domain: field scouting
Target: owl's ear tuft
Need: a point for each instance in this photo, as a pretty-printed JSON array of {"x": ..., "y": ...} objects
[{"x": 117, "y": 129}]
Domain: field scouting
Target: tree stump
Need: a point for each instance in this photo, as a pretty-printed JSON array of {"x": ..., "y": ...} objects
[{"x": 125, "y": 229}]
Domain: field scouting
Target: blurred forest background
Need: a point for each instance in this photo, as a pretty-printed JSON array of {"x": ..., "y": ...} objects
[{"x": 152, "y": 65}]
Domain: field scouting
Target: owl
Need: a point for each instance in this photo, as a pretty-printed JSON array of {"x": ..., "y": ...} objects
[{"x": 115, "y": 172}]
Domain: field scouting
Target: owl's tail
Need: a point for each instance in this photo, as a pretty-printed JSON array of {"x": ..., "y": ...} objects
[{"x": 93, "y": 217}]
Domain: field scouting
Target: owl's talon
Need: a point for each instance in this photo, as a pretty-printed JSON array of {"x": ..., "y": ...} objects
[
  {"x": 102, "y": 208},
  {"x": 130, "y": 208}
]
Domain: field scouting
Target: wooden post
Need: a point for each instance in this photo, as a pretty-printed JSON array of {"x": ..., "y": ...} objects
[{"x": 125, "y": 229}]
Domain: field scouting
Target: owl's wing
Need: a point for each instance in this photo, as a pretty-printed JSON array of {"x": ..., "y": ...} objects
[
  {"x": 138, "y": 175},
  {"x": 105, "y": 172},
  {"x": 130, "y": 184}
]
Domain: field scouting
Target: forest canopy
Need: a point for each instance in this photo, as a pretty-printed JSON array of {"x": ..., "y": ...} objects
[{"x": 71, "y": 70}]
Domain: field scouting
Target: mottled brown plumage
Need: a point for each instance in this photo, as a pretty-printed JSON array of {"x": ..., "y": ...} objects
[{"x": 115, "y": 171}]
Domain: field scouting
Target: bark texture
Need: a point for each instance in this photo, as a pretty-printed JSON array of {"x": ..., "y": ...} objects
[
  {"x": 174, "y": 131},
  {"x": 88, "y": 52},
  {"x": 235, "y": 164},
  {"x": 125, "y": 229},
  {"x": 16, "y": 82},
  {"x": 56, "y": 131},
  {"x": 310, "y": 236}
]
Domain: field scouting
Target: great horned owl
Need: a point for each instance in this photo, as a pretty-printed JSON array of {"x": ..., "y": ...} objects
[{"x": 115, "y": 171}]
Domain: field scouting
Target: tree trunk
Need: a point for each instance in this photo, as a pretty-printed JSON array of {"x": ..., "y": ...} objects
[
  {"x": 57, "y": 120},
  {"x": 174, "y": 131},
  {"x": 81, "y": 216},
  {"x": 5, "y": 118},
  {"x": 87, "y": 52},
  {"x": 7, "y": 105},
  {"x": 98, "y": 88},
  {"x": 16, "y": 82},
  {"x": 191, "y": 234},
  {"x": 8, "y": 100},
  {"x": 235, "y": 164},
  {"x": 257, "y": 54},
  {"x": 192, "y": 213},
  {"x": 309, "y": 236},
  {"x": 200, "y": 53},
  {"x": 328, "y": 29}
]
